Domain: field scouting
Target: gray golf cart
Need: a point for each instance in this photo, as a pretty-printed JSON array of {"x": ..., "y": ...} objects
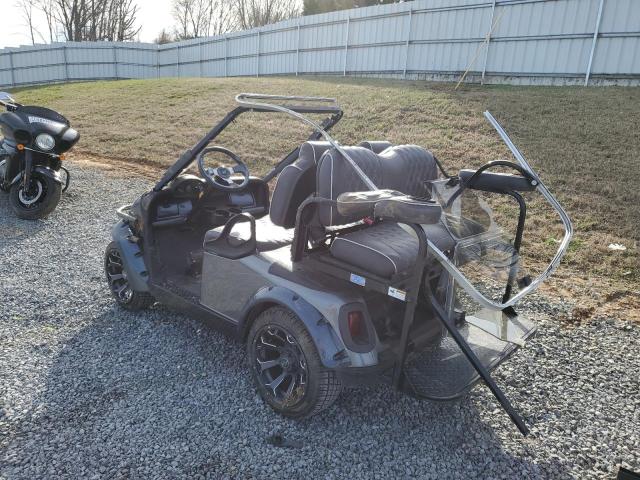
[{"x": 366, "y": 263}]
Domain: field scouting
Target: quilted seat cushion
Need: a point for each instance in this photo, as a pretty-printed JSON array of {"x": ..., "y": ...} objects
[{"x": 386, "y": 248}]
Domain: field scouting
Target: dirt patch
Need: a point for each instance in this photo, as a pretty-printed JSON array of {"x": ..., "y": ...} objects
[{"x": 118, "y": 168}]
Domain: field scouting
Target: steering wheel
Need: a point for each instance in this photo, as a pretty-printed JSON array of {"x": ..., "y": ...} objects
[{"x": 220, "y": 177}]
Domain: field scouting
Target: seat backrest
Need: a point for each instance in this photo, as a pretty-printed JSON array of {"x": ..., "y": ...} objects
[
  {"x": 404, "y": 168},
  {"x": 295, "y": 183}
]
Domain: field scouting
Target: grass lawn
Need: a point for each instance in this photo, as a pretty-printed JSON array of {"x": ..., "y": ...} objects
[{"x": 584, "y": 143}]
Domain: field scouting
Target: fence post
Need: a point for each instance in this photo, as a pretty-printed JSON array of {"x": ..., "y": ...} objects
[
  {"x": 594, "y": 42},
  {"x": 201, "y": 57},
  {"x": 115, "y": 60},
  {"x": 13, "y": 76},
  {"x": 258, "y": 56},
  {"x": 157, "y": 50},
  {"x": 226, "y": 54},
  {"x": 346, "y": 48},
  {"x": 66, "y": 63},
  {"x": 406, "y": 47},
  {"x": 486, "y": 50},
  {"x": 298, "y": 50}
]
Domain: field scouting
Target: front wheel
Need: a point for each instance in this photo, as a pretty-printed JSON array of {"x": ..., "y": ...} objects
[
  {"x": 38, "y": 201},
  {"x": 119, "y": 284},
  {"x": 286, "y": 366}
]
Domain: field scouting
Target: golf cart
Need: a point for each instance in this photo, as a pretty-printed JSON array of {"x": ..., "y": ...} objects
[{"x": 366, "y": 263}]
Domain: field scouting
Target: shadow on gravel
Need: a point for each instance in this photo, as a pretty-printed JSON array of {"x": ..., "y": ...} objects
[
  {"x": 12, "y": 228},
  {"x": 157, "y": 394}
]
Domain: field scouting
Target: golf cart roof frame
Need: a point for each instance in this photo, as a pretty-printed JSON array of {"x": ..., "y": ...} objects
[{"x": 304, "y": 105}]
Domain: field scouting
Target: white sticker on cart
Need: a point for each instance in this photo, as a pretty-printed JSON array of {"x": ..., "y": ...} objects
[
  {"x": 396, "y": 293},
  {"x": 358, "y": 280}
]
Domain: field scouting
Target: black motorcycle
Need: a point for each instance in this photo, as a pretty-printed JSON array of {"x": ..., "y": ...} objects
[{"x": 31, "y": 154}]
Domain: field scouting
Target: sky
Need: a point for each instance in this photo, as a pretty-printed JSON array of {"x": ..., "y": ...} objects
[{"x": 154, "y": 16}]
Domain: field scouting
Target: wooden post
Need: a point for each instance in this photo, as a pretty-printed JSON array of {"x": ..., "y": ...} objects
[
  {"x": 594, "y": 42},
  {"x": 486, "y": 51}
]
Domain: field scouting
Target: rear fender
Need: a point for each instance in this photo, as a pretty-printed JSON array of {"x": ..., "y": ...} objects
[
  {"x": 134, "y": 266},
  {"x": 330, "y": 347}
]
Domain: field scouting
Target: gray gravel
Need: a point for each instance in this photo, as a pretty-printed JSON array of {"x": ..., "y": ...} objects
[{"x": 88, "y": 390}]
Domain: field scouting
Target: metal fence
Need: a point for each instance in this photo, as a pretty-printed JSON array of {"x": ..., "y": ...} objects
[{"x": 496, "y": 41}]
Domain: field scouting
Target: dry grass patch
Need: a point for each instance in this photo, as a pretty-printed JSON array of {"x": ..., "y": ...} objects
[{"x": 583, "y": 142}]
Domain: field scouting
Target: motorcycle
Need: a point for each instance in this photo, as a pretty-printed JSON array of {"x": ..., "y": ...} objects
[{"x": 31, "y": 154}]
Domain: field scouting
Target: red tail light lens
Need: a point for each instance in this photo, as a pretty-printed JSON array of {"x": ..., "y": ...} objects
[{"x": 357, "y": 328}]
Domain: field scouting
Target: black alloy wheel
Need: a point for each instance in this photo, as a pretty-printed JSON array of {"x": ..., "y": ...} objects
[
  {"x": 116, "y": 275},
  {"x": 286, "y": 367}
]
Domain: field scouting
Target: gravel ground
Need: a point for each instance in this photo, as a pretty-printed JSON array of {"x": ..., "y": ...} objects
[{"x": 88, "y": 390}]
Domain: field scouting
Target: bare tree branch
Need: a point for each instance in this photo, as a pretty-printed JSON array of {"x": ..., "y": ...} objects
[{"x": 256, "y": 13}]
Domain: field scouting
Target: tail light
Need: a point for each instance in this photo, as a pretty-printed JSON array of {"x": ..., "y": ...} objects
[{"x": 357, "y": 328}]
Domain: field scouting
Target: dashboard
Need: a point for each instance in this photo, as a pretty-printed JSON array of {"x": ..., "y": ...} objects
[{"x": 190, "y": 199}]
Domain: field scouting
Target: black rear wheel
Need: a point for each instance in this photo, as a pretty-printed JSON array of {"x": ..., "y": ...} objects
[
  {"x": 286, "y": 367},
  {"x": 119, "y": 284},
  {"x": 37, "y": 201}
]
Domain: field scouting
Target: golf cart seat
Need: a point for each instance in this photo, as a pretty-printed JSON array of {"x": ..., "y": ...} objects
[
  {"x": 268, "y": 236},
  {"x": 297, "y": 181},
  {"x": 384, "y": 248}
]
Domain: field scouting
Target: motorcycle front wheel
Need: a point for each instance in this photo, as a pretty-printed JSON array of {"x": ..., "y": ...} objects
[{"x": 38, "y": 201}]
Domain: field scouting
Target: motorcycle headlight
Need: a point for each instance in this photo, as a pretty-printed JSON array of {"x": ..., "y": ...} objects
[{"x": 45, "y": 142}]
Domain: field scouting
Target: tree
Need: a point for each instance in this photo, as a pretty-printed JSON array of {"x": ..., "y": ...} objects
[
  {"x": 80, "y": 20},
  {"x": 26, "y": 7},
  {"x": 163, "y": 37},
  {"x": 48, "y": 8},
  {"x": 311, "y": 7},
  {"x": 201, "y": 18},
  {"x": 256, "y": 13}
]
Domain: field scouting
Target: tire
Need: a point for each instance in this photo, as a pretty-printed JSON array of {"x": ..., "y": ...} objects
[
  {"x": 315, "y": 387},
  {"x": 3, "y": 166},
  {"x": 42, "y": 203},
  {"x": 116, "y": 277}
]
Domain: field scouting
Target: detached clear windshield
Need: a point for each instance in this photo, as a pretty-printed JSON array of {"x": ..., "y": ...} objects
[
  {"x": 490, "y": 254},
  {"x": 485, "y": 251},
  {"x": 484, "y": 227}
]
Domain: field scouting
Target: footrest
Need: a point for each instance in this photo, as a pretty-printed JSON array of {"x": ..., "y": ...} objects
[{"x": 442, "y": 372}]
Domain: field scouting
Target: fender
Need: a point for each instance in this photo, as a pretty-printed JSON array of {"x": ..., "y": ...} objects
[
  {"x": 134, "y": 265},
  {"x": 329, "y": 345},
  {"x": 46, "y": 171}
]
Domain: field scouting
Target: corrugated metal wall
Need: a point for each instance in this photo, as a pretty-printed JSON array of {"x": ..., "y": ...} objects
[{"x": 512, "y": 41}]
